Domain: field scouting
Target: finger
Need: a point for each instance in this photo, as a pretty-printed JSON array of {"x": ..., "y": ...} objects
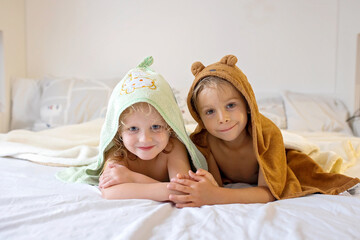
[
  {"x": 196, "y": 177},
  {"x": 185, "y": 182},
  {"x": 201, "y": 172},
  {"x": 178, "y": 187},
  {"x": 182, "y": 176},
  {"x": 179, "y": 198},
  {"x": 101, "y": 179},
  {"x": 108, "y": 184},
  {"x": 183, "y": 205},
  {"x": 104, "y": 180}
]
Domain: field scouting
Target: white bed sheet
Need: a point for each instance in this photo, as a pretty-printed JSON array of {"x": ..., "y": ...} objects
[{"x": 35, "y": 205}]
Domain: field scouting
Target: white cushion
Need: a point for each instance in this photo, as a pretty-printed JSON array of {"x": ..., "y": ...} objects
[
  {"x": 25, "y": 102},
  {"x": 311, "y": 112},
  {"x": 273, "y": 108},
  {"x": 70, "y": 101},
  {"x": 181, "y": 97}
]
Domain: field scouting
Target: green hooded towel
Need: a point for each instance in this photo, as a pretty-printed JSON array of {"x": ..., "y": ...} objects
[{"x": 140, "y": 84}]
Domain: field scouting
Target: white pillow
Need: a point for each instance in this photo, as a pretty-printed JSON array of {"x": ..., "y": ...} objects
[
  {"x": 181, "y": 97},
  {"x": 273, "y": 108},
  {"x": 70, "y": 101},
  {"x": 25, "y": 102},
  {"x": 309, "y": 112},
  {"x": 354, "y": 122}
]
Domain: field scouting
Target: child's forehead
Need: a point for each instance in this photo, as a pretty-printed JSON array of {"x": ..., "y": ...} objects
[
  {"x": 224, "y": 87},
  {"x": 219, "y": 92},
  {"x": 146, "y": 112}
]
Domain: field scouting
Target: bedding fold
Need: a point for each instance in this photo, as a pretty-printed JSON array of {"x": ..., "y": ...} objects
[
  {"x": 70, "y": 145},
  {"x": 77, "y": 145}
]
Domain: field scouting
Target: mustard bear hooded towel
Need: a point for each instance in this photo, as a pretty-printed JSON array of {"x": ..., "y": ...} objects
[
  {"x": 288, "y": 173},
  {"x": 140, "y": 84}
]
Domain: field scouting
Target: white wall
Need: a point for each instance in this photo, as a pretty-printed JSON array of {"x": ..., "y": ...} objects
[
  {"x": 300, "y": 45},
  {"x": 348, "y": 64},
  {"x": 280, "y": 44},
  {"x": 12, "y": 27}
]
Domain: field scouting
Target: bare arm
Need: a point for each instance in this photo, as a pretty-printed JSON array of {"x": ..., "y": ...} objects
[
  {"x": 178, "y": 161},
  {"x": 153, "y": 191},
  {"x": 202, "y": 192},
  {"x": 214, "y": 169},
  {"x": 116, "y": 172}
]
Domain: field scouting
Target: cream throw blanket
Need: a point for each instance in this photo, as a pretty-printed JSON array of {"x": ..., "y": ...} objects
[
  {"x": 335, "y": 154},
  {"x": 77, "y": 145},
  {"x": 70, "y": 145}
]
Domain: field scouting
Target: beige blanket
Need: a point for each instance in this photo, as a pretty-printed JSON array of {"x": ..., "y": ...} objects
[
  {"x": 333, "y": 152},
  {"x": 71, "y": 145},
  {"x": 76, "y": 145}
]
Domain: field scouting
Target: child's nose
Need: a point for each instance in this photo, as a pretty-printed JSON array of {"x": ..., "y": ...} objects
[
  {"x": 224, "y": 117},
  {"x": 145, "y": 136}
]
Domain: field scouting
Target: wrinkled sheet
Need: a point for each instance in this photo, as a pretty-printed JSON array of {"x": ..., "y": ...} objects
[{"x": 35, "y": 205}]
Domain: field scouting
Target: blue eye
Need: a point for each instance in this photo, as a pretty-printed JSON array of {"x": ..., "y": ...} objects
[
  {"x": 133, "y": 129},
  {"x": 209, "y": 112},
  {"x": 230, "y": 105},
  {"x": 156, "y": 127}
]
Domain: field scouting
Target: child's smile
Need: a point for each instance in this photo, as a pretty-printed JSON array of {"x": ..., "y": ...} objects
[
  {"x": 145, "y": 134},
  {"x": 227, "y": 129}
]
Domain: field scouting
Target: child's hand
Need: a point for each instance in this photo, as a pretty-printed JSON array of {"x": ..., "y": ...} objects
[
  {"x": 206, "y": 174},
  {"x": 198, "y": 191},
  {"x": 199, "y": 172},
  {"x": 114, "y": 174},
  {"x": 184, "y": 176}
]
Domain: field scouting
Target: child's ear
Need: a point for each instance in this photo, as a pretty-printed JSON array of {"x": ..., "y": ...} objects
[
  {"x": 196, "y": 68},
  {"x": 230, "y": 60}
]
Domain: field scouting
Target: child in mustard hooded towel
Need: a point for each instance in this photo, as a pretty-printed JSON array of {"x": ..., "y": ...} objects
[
  {"x": 243, "y": 146},
  {"x": 143, "y": 141}
]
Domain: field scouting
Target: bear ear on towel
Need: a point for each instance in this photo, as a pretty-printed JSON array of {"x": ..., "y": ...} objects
[
  {"x": 230, "y": 60},
  {"x": 196, "y": 68}
]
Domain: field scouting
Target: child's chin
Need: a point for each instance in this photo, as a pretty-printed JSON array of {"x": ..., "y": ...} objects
[
  {"x": 147, "y": 156},
  {"x": 227, "y": 137}
]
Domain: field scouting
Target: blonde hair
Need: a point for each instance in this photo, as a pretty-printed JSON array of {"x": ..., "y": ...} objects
[
  {"x": 121, "y": 152},
  {"x": 207, "y": 82}
]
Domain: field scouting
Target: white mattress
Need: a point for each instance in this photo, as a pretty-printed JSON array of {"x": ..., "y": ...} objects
[{"x": 35, "y": 205}]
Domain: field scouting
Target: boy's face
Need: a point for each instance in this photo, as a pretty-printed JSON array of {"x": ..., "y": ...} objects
[{"x": 223, "y": 111}]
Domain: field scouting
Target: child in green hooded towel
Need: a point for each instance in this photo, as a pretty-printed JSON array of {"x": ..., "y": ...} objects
[{"x": 143, "y": 142}]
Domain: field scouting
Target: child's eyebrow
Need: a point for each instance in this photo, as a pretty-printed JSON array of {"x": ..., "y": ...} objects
[
  {"x": 205, "y": 106},
  {"x": 232, "y": 99}
]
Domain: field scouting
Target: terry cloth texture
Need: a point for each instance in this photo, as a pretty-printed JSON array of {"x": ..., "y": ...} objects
[
  {"x": 141, "y": 84},
  {"x": 288, "y": 173}
]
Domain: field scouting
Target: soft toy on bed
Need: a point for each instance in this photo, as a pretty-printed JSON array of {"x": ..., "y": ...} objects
[{"x": 143, "y": 140}]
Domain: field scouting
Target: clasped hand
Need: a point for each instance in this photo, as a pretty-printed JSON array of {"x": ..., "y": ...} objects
[
  {"x": 193, "y": 190},
  {"x": 198, "y": 189}
]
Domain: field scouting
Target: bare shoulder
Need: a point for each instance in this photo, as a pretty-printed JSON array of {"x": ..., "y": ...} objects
[
  {"x": 175, "y": 148},
  {"x": 175, "y": 144},
  {"x": 110, "y": 157}
]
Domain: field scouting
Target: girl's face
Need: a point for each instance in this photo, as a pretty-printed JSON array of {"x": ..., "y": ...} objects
[
  {"x": 223, "y": 111},
  {"x": 145, "y": 134}
]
